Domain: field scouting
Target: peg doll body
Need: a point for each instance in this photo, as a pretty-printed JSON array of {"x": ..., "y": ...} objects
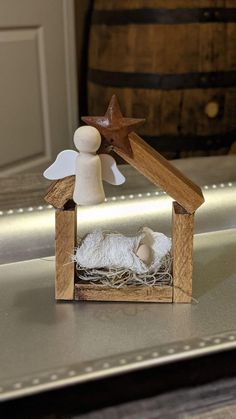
[
  {"x": 89, "y": 168},
  {"x": 88, "y": 171}
]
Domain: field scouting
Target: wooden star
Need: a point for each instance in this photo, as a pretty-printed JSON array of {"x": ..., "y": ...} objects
[{"x": 114, "y": 127}]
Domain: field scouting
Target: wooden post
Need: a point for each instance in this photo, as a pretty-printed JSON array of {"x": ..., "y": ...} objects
[
  {"x": 182, "y": 247},
  {"x": 66, "y": 233},
  {"x": 60, "y": 192}
]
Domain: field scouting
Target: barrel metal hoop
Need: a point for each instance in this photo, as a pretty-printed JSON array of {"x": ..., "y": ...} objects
[
  {"x": 163, "y": 81},
  {"x": 163, "y": 16}
]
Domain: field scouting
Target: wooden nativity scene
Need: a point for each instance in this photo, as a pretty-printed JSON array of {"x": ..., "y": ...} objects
[{"x": 108, "y": 266}]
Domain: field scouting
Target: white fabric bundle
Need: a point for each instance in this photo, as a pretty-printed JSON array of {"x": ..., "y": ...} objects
[{"x": 114, "y": 250}]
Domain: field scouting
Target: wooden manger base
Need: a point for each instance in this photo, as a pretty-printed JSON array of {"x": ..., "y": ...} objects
[
  {"x": 182, "y": 249},
  {"x": 91, "y": 292}
]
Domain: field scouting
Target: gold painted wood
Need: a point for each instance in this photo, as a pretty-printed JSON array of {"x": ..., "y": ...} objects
[
  {"x": 162, "y": 173},
  {"x": 60, "y": 192},
  {"x": 182, "y": 250},
  {"x": 91, "y": 292},
  {"x": 65, "y": 245}
]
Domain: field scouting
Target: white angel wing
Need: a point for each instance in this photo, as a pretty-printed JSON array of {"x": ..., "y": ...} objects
[
  {"x": 110, "y": 171},
  {"x": 63, "y": 166}
]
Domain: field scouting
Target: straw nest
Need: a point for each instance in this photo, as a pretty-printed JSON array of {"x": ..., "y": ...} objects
[{"x": 119, "y": 278}]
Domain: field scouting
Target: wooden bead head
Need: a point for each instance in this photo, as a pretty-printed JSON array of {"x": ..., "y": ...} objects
[{"x": 87, "y": 139}]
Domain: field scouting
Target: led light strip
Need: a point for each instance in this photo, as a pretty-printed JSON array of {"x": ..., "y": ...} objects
[
  {"x": 82, "y": 372},
  {"x": 111, "y": 199}
]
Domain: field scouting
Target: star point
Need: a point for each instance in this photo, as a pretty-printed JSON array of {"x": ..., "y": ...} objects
[{"x": 113, "y": 126}]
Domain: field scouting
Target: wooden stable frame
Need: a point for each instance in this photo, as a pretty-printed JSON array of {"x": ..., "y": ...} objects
[
  {"x": 188, "y": 197},
  {"x": 65, "y": 242},
  {"x": 66, "y": 287}
]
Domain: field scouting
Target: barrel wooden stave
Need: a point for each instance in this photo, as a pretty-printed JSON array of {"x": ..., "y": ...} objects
[
  {"x": 167, "y": 4},
  {"x": 164, "y": 49},
  {"x": 171, "y": 112}
]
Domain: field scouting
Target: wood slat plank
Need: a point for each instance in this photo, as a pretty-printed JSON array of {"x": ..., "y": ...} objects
[
  {"x": 162, "y": 173},
  {"x": 182, "y": 248},
  {"x": 60, "y": 192},
  {"x": 157, "y": 294},
  {"x": 65, "y": 245}
]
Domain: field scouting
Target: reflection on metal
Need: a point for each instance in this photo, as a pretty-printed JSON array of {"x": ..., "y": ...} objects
[
  {"x": 127, "y": 362},
  {"x": 47, "y": 345},
  {"x": 35, "y": 226}
]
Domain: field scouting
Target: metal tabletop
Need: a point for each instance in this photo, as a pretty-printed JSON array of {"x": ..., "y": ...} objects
[{"x": 45, "y": 344}]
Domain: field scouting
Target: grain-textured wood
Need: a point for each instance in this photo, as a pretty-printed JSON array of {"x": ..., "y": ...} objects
[
  {"x": 162, "y": 47},
  {"x": 182, "y": 248},
  {"x": 203, "y": 47},
  {"x": 162, "y": 112},
  {"x": 144, "y": 158},
  {"x": 152, "y": 165},
  {"x": 60, "y": 192},
  {"x": 65, "y": 245},
  {"x": 233, "y": 148},
  {"x": 170, "y": 4},
  {"x": 162, "y": 173},
  {"x": 157, "y": 294}
]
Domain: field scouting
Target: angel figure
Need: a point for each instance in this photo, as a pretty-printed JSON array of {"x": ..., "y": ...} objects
[{"x": 89, "y": 168}]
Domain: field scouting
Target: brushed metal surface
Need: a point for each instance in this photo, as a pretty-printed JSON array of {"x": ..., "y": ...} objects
[
  {"x": 29, "y": 233},
  {"x": 46, "y": 345}
]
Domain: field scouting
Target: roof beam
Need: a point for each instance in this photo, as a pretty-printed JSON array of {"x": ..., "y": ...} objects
[{"x": 162, "y": 173}]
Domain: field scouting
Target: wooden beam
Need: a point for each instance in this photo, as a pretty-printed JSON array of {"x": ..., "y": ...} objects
[
  {"x": 162, "y": 173},
  {"x": 182, "y": 249},
  {"x": 60, "y": 192},
  {"x": 91, "y": 292},
  {"x": 152, "y": 165},
  {"x": 65, "y": 244}
]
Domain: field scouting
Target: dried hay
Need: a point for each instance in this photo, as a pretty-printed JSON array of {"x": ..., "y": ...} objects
[{"x": 120, "y": 278}]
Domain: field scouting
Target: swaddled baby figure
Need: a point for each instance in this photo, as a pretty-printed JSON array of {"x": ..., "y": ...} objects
[{"x": 142, "y": 253}]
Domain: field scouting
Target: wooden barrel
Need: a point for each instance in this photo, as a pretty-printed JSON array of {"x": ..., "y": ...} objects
[{"x": 172, "y": 62}]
